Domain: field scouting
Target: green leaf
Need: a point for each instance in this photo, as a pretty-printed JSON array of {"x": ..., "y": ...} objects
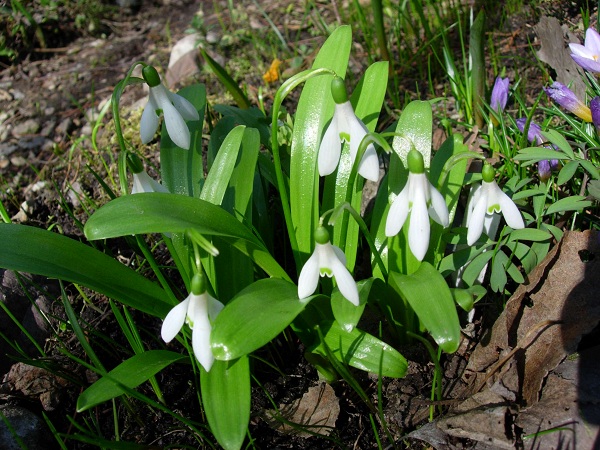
[
  {"x": 226, "y": 401},
  {"x": 594, "y": 189},
  {"x": 532, "y": 155},
  {"x": 164, "y": 213},
  {"x": 32, "y": 250},
  {"x": 498, "y": 277},
  {"x": 529, "y": 234},
  {"x": 130, "y": 373},
  {"x": 315, "y": 108},
  {"x": 233, "y": 88},
  {"x": 367, "y": 100},
  {"x": 559, "y": 140},
  {"x": 254, "y": 317},
  {"x": 346, "y": 314},
  {"x": 429, "y": 296},
  {"x": 574, "y": 203},
  {"x": 361, "y": 350},
  {"x": 567, "y": 172},
  {"x": 590, "y": 167}
]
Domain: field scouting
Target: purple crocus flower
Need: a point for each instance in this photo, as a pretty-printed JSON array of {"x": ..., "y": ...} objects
[
  {"x": 535, "y": 136},
  {"x": 499, "y": 94},
  {"x": 588, "y": 55},
  {"x": 566, "y": 98},
  {"x": 595, "y": 108}
]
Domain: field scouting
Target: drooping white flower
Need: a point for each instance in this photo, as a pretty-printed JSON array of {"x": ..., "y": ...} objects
[
  {"x": 174, "y": 107},
  {"x": 198, "y": 310},
  {"x": 326, "y": 260},
  {"x": 421, "y": 200},
  {"x": 345, "y": 126},
  {"x": 142, "y": 182},
  {"x": 488, "y": 199}
]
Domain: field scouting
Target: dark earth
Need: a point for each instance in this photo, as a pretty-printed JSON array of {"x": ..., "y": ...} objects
[{"x": 50, "y": 97}]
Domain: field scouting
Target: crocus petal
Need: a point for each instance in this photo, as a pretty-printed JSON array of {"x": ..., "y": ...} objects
[
  {"x": 330, "y": 149},
  {"x": 345, "y": 282},
  {"x": 397, "y": 213},
  {"x": 185, "y": 108},
  {"x": 418, "y": 232},
  {"x": 581, "y": 50},
  {"x": 511, "y": 213},
  {"x": 544, "y": 170},
  {"x": 586, "y": 63},
  {"x": 476, "y": 218},
  {"x": 201, "y": 342},
  {"x": 592, "y": 41},
  {"x": 438, "y": 210},
  {"x": 499, "y": 96},
  {"x": 148, "y": 123},
  {"x": 174, "y": 321},
  {"x": 309, "y": 276}
]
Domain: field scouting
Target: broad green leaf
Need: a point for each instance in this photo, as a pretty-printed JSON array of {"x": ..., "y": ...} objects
[
  {"x": 226, "y": 401},
  {"x": 346, "y": 314},
  {"x": 367, "y": 100},
  {"x": 463, "y": 298},
  {"x": 559, "y": 140},
  {"x": 498, "y": 277},
  {"x": 476, "y": 266},
  {"x": 41, "y": 252},
  {"x": 532, "y": 155},
  {"x": 594, "y": 189},
  {"x": 590, "y": 167},
  {"x": 254, "y": 317},
  {"x": 164, "y": 213},
  {"x": 130, "y": 373},
  {"x": 429, "y": 296},
  {"x": 529, "y": 234},
  {"x": 361, "y": 350},
  {"x": 567, "y": 172},
  {"x": 315, "y": 109},
  {"x": 574, "y": 203}
]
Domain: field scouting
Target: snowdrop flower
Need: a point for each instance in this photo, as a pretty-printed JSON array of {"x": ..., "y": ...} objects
[
  {"x": 488, "y": 199},
  {"x": 198, "y": 310},
  {"x": 326, "y": 260},
  {"x": 421, "y": 200},
  {"x": 587, "y": 55},
  {"x": 499, "y": 96},
  {"x": 142, "y": 182},
  {"x": 566, "y": 98},
  {"x": 345, "y": 126},
  {"x": 534, "y": 135},
  {"x": 174, "y": 107}
]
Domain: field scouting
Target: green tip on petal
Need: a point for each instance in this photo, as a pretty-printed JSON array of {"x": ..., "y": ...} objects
[
  {"x": 488, "y": 173},
  {"x": 198, "y": 284},
  {"x": 338, "y": 91},
  {"x": 415, "y": 162},
  {"x": 134, "y": 163},
  {"x": 151, "y": 76},
  {"x": 321, "y": 235}
]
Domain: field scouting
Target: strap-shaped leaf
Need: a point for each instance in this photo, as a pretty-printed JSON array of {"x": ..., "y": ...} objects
[
  {"x": 254, "y": 317},
  {"x": 429, "y": 296},
  {"x": 315, "y": 108},
  {"x": 41, "y": 252},
  {"x": 164, "y": 213},
  {"x": 362, "y": 350},
  {"x": 226, "y": 400},
  {"x": 130, "y": 373}
]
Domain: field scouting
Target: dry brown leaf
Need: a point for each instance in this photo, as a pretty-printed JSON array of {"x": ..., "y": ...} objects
[
  {"x": 317, "y": 411},
  {"x": 556, "y": 54}
]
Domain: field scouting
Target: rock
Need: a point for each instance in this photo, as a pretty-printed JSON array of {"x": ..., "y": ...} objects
[
  {"x": 35, "y": 382},
  {"x": 6, "y": 148},
  {"x": 18, "y": 161},
  {"x": 64, "y": 127},
  {"x": 23, "y": 215},
  {"x": 30, "y": 126},
  {"x": 30, "y": 429}
]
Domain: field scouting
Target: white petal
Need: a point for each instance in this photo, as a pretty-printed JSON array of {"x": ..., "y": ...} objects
[
  {"x": 174, "y": 321},
  {"x": 511, "y": 213},
  {"x": 309, "y": 276},
  {"x": 339, "y": 253},
  {"x": 476, "y": 218},
  {"x": 214, "y": 307},
  {"x": 491, "y": 224},
  {"x": 185, "y": 108},
  {"x": 369, "y": 165},
  {"x": 397, "y": 213},
  {"x": 176, "y": 126},
  {"x": 345, "y": 282},
  {"x": 201, "y": 341},
  {"x": 419, "y": 228},
  {"x": 329, "y": 150},
  {"x": 148, "y": 123},
  {"x": 142, "y": 182},
  {"x": 438, "y": 210}
]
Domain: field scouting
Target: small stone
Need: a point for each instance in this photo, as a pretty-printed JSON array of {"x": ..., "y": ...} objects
[
  {"x": 48, "y": 128},
  {"x": 18, "y": 161},
  {"x": 6, "y": 148},
  {"x": 5, "y": 96},
  {"x": 30, "y": 126},
  {"x": 4, "y": 162},
  {"x": 32, "y": 143},
  {"x": 17, "y": 95},
  {"x": 64, "y": 127},
  {"x": 49, "y": 111},
  {"x": 23, "y": 215},
  {"x": 26, "y": 425}
]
